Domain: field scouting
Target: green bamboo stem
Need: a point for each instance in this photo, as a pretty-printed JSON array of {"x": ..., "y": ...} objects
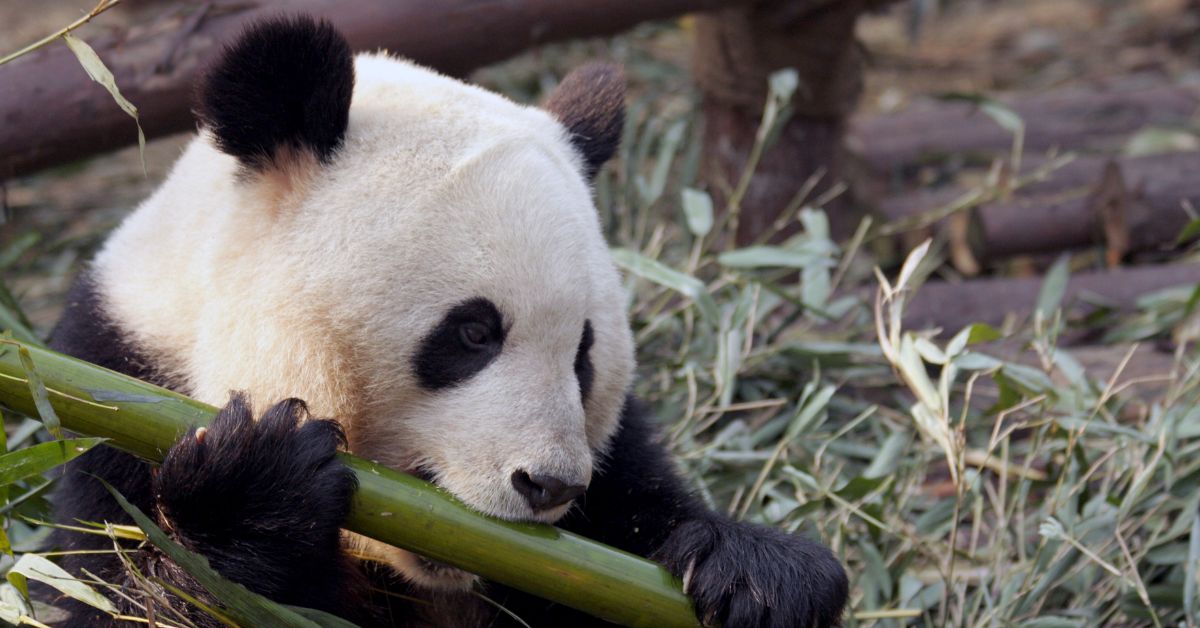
[{"x": 389, "y": 506}]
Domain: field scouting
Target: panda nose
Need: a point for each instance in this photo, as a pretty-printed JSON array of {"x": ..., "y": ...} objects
[{"x": 544, "y": 491}]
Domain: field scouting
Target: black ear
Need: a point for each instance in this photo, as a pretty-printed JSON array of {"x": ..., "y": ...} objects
[
  {"x": 590, "y": 102},
  {"x": 284, "y": 84}
]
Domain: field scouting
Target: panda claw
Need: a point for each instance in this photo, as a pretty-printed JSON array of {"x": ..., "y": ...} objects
[
  {"x": 263, "y": 500},
  {"x": 746, "y": 575}
]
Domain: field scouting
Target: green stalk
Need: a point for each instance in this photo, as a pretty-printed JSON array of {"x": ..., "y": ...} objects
[{"x": 389, "y": 506}]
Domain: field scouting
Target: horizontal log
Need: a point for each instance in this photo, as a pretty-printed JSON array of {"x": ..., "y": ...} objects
[
  {"x": 1144, "y": 369},
  {"x": 953, "y": 306},
  {"x": 1079, "y": 118},
  {"x": 1068, "y": 210},
  {"x": 51, "y": 113}
]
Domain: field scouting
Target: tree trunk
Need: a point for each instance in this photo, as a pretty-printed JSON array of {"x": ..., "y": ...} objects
[{"x": 735, "y": 52}]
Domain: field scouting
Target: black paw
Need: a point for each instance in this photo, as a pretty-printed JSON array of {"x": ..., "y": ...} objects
[
  {"x": 262, "y": 499},
  {"x": 742, "y": 575}
]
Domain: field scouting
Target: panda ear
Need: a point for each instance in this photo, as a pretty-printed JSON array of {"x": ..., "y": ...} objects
[
  {"x": 283, "y": 85},
  {"x": 590, "y": 102}
]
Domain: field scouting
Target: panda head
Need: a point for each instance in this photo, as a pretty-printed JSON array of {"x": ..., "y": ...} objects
[{"x": 447, "y": 240}]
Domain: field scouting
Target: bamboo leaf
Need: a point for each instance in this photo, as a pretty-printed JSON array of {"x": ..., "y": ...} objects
[
  {"x": 888, "y": 457},
  {"x": 668, "y": 146},
  {"x": 811, "y": 409},
  {"x": 728, "y": 362},
  {"x": 909, "y": 269},
  {"x": 17, "y": 248},
  {"x": 13, "y": 320},
  {"x": 982, "y": 332},
  {"x": 30, "y": 461},
  {"x": 1001, "y": 114},
  {"x": 98, "y": 72},
  {"x": 698, "y": 211},
  {"x": 772, "y": 257},
  {"x": 815, "y": 285},
  {"x": 958, "y": 343},
  {"x": 1190, "y": 231},
  {"x": 912, "y": 368},
  {"x": 321, "y": 618},
  {"x": 17, "y": 617},
  {"x": 14, "y": 608},
  {"x": 244, "y": 605},
  {"x": 1159, "y": 140},
  {"x": 1054, "y": 286},
  {"x": 816, "y": 225},
  {"x": 929, "y": 352},
  {"x": 41, "y": 398},
  {"x": 667, "y": 277},
  {"x": 37, "y": 568}
]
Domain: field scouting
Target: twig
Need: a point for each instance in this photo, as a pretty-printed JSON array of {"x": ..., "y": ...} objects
[{"x": 100, "y": 7}]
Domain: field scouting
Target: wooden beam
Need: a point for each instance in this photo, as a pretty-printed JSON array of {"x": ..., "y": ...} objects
[
  {"x": 51, "y": 113},
  {"x": 1088, "y": 119},
  {"x": 952, "y": 306},
  {"x": 1132, "y": 204}
]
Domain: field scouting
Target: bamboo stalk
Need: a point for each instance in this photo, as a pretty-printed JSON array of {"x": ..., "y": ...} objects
[{"x": 389, "y": 506}]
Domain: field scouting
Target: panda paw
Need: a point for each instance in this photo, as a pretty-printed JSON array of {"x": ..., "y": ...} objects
[
  {"x": 263, "y": 500},
  {"x": 742, "y": 575}
]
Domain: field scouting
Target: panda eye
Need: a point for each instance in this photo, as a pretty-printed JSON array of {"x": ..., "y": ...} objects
[
  {"x": 467, "y": 339},
  {"x": 474, "y": 335}
]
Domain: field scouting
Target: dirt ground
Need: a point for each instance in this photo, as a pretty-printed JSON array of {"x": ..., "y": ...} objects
[{"x": 54, "y": 220}]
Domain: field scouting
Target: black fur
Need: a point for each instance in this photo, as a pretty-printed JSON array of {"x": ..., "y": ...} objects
[
  {"x": 743, "y": 576},
  {"x": 448, "y": 357},
  {"x": 590, "y": 103},
  {"x": 227, "y": 498},
  {"x": 86, "y": 332},
  {"x": 264, "y": 501},
  {"x": 746, "y": 575},
  {"x": 583, "y": 362},
  {"x": 250, "y": 489},
  {"x": 285, "y": 83}
]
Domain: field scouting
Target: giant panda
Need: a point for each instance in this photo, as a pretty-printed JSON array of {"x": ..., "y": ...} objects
[{"x": 420, "y": 262}]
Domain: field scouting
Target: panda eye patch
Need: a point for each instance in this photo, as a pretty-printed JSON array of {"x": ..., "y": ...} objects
[
  {"x": 468, "y": 338},
  {"x": 583, "y": 361}
]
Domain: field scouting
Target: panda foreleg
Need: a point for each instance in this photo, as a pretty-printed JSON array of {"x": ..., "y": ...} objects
[
  {"x": 263, "y": 501},
  {"x": 738, "y": 574}
]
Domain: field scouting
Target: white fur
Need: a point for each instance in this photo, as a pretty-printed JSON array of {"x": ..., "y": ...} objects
[{"x": 318, "y": 282}]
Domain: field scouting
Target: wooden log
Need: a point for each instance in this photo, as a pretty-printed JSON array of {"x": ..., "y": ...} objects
[
  {"x": 51, "y": 113},
  {"x": 952, "y": 306},
  {"x": 1130, "y": 203},
  {"x": 1080, "y": 118},
  {"x": 1148, "y": 364}
]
